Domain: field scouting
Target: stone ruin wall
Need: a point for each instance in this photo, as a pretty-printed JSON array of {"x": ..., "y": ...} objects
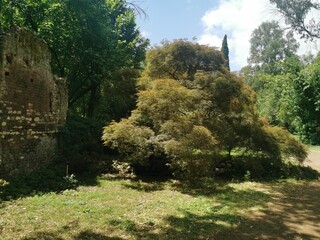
[{"x": 33, "y": 104}]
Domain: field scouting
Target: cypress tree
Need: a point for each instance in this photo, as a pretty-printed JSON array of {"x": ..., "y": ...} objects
[{"x": 225, "y": 50}]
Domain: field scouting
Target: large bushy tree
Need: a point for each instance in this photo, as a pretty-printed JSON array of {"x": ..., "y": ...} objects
[
  {"x": 181, "y": 60},
  {"x": 195, "y": 116}
]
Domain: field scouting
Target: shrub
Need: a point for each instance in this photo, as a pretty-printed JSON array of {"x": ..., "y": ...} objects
[
  {"x": 290, "y": 170},
  {"x": 193, "y": 117},
  {"x": 288, "y": 145},
  {"x": 80, "y": 142},
  {"x": 133, "y": 142},
  {"x": 193, "y": 155},
  {"x": 254, "y": 165},
  {"x": 51, "y": 179}
]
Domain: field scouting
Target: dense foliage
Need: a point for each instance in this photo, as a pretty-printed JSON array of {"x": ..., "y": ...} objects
[
  {"x": 92, "y": 43},
  {"x": 225, "y": 50},
  {"x": 287, "y": 90},
  {"x": 182, "y": 60},
  {"x": 289, "y": 97},
  {"x": 193, "y": 118},
  {"x": 97, "y": 47},
  {"x": 295, "y": 13},
  {"x": 270, "y": 44},
  {"x": 196, "y": 117}
]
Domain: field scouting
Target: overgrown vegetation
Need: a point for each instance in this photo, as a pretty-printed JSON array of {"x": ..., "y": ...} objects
[
  {"x": 97, "y": 47},
  {"x": 52, "y": 179},
  {"x": 295, "y": 13},
  {"x": 287, "y": 90},
  {"x": 181, "y": 116},
  {"x": 194, "y": 116}
]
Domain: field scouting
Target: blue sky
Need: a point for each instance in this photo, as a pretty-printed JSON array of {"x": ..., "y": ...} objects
[
  {"x": 171, "y": 19},
  {"x": 208, "y": 21}
]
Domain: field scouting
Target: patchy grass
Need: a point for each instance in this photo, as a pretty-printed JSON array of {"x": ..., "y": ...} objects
[
  {"x": 134, "y": 209},
  {"x": 126, "y": 209}
]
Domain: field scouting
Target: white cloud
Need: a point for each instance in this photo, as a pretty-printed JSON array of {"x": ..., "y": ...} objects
[
  {"x": 310, "y": 47},
  {"x": 237, "y": 19},
  {"x": 211, "y": 39},
  {"x": 145, "y": 34}
]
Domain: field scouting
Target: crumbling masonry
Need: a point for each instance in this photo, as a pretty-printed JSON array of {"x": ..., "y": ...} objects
[{"x": 33, "y": 104}]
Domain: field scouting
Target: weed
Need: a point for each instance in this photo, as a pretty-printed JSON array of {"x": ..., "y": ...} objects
[
  {"x": 247, "y": 176},
  {"x": 71, "y": 181},
  {"x": 38, "y": 183}
]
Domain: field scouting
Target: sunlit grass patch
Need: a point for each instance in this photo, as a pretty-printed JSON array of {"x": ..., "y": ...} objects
[
  {"x": 127, "y": 209},
  {"x": 135, "y": 209}
]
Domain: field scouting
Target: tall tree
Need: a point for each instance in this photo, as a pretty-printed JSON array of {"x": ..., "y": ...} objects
[
  {"x": 295, "y": 13},
  {"x": 308, "y": 103},
  {"x": 270, "y": 44},
  {"x": 90, "y": 42},
  {"x": 225, "y": 50},
  {"x": 193, "y": 121}
]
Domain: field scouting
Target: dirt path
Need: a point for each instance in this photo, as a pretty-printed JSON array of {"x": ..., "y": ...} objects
[
  {"x": 313, "y": 159},
  {"x": 292, "y": 214}
]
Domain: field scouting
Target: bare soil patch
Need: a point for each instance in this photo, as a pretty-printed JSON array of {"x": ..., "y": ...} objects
[
  {"x": 313, "y": 159},
  {"x": 293, "y": 214}
]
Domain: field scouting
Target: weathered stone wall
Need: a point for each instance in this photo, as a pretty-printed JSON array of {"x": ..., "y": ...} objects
[{"x": 33, "y": 104}]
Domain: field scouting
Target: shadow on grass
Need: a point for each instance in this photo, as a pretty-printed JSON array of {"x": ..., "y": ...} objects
[
  {"x": 185, "y": 226},
  {"x": 207, "y": 224},
  {"x": 300, "y": 172},
  {"x": 51, "y": 179},
  {"x": 43, "y": 236},
  {"x": 192, "y": 226},
  {"x": 292, "y": 211},
  {"x": 294, "y": 214},
  {"x": 84, "y": 235},
  {"x": 144, "y": 186},
  {"x": 88, "y": 235},
  {"x": 203, "y": 187},
  {"x": 206, "y": 187},
  {"x": 203, "y": 225}
]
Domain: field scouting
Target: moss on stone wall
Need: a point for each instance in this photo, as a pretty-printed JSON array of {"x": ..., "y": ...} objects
[{"x": 33, "y": 104}]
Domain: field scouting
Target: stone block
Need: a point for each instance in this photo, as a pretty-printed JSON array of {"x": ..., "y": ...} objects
[{"x": 28, "y": 93}]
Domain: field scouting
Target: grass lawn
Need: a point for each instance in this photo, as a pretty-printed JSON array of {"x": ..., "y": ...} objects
[{"x": 134, "y": 209}]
